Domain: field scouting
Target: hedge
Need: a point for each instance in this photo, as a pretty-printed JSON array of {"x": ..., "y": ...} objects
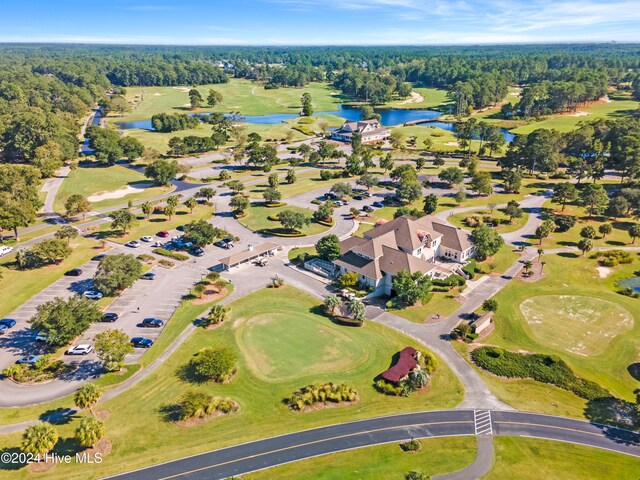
[
  {"x": 274, "y": 204},
  {"x": 276, "y": 232},
  {"x": 326, "y": 224},
  {"x": 168, "y": 253},
  {"x": 543, "y": 368},
  {"x": 450, "y": 281}
]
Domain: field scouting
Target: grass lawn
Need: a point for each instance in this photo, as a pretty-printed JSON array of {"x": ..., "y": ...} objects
[
  {"x": 612, "y": 339},
  {"x": 440, "y": 303},
  {"x": 256, "y": 218},
  {"x": 501, "y": 261},
  {"x": 383, "y": 462},
  {"x": 294, "y": 252},
  {"x": 532, "y": 459},
  {"x": 92, "y": 179},
  {"x": 621, "y": 106},
  {"x": 141, "y": 436},
  {"x": 239, "y": 95},
  {"x": 431, "y": 97},
  {"x": 306, "y": 181},
  {"x": 18, "y": 286},
  {"x": 155, "y": 223}
]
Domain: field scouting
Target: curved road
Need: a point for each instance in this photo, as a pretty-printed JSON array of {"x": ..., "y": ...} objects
[{"x": 270, "y": 452}]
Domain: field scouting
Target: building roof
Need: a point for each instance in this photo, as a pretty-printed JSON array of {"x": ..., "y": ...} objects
[
  {"x": 405, "y": 364},
  {"x": 367, "y": 127},
  {"x": 246, "y": 255},
  {"x": 359, "y": 264},
  {"x": 484, "y": 320},
  {"x": 393, "y": 261}
]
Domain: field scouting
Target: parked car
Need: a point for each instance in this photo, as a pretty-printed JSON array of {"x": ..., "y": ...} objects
[
  {"x": 28, "y": 359},
  {"x": 141, "y": 342},
  {"x": 42, "y": 337},
  {"x": 149, "y": 276},
  {"x": 110, "y": 317},
  {"x": 180, "y": 228},
  {"x": 152, "y": 322},
  {"x": 338, "y": 203},
  {"x": 92, "y": 295},
  {"x": 229, "y": 241},
  {"x": 197, "y": 252},
  {"x": 132, "y": 244},
  {"x": 74, "y": 272},
  {"x": 82, "y": 349},
  {"x": 330, "y": 196},
  {"x": 97, "y": 258},
  {"x": 3, "y": 329},
  {"x": 163, "y": 234},
  {"x": 221, "y": 244},
  {"x": 5, "y": 250},
  {"x": 378, "y": 204},
  {"x": 147, "y": 238},
  {"x": 8, "y": 322},
  {"x": 358, "y": 197},
  {"x": 367, "y": 209}
]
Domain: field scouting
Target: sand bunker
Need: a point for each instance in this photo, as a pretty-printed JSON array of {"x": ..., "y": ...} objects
[
  {"x": 182, "y": 89},
  {"x": 603, "y": 272},
  {"x": 158, "y": 94},
  {"x": 579, "y": 114},
  {"x": 414, "y": 97},
  {"x": 122, "y": 192},
  {"x": 452, "y": 144}
]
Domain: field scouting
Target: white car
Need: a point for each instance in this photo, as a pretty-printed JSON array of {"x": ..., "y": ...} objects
[
  {"x": 132, "y": 244},
  {"x": 92, "y": 295},
  {"x": 82, "y": 349},
  {"x": 4, "y": 250},
  {"x": 147, "y": 238},
  {"x": 42, "y": 337}
]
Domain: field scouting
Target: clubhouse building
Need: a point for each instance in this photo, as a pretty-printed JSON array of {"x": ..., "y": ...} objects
[
  {"x": 371, "y": 131},
  {"x": 405, "y": 243}
]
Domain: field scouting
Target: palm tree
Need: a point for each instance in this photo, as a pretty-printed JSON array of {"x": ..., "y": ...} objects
[
  {"x": 87, "y": 396},
  {"x": 191, "y": 204},
  {"x": 169, "y": 211},
  {"x": 331, "y": 303},
  {"x": 147, "y": 208},
  {"x": 356, "y": 309},
  {"x": 173, "y": 200},
  {"x": 540, "y": 252},
  {"x": 218, "y": 314},
  {"x": 527, "y": 267},
  {"x": 89, "y": 431},
  {"x": 38, "y": 439},
  {"x": 585, "y": 245},
  {"x": 542, "y": 264}
]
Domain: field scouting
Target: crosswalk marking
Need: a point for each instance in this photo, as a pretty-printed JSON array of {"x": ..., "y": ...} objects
[{"x": 482, "y": 422}]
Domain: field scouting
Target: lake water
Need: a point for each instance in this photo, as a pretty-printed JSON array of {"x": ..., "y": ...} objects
[
  {"x": 388, "y": 118},
  {"x": 632, "y": 283}
]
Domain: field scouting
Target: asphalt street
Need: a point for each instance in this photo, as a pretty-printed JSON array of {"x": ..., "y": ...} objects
[{"x": 261, "y": 454}]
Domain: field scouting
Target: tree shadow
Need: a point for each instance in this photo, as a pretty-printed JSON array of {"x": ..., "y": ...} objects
[
  {"x": 614, "y": 417},
  {"x": 58, "y": 416},
  {"x": 634, "y": 370},
  {"x": 615, "y": 243},
  {"x": 568, "y": 255},
  {"x": 11, "y": 466},
  {"x": 169, "y": 413},
  {"x": 188, "y": 374}
]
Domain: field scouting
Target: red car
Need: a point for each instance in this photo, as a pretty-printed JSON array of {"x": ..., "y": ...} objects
[{"x": 163, "y": 234}]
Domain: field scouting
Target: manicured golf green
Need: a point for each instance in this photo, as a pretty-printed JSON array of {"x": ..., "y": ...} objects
[
  {"x": 517, "y": 458},
  {"x": 578, "y": 324},
  {"x": 384, "y": 462},
  {"x": 104, "y": 186},
  {"x": 568, "y": 276},
  {"x": 141, "y": 436}
]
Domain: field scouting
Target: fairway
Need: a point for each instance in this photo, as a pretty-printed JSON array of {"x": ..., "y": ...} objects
[
  {"x": 284, "y": 344},
  {"x": 577, "y": 324},
  {"x": 256, "y": 218}
]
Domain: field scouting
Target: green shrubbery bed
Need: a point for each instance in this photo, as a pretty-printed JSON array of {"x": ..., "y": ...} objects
[
  {"x": 168, "y": 253},
  {"x": 543, "y": 368}
]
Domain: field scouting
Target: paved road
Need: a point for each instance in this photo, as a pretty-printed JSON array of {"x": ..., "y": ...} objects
[{"x": 261, "y": 454}]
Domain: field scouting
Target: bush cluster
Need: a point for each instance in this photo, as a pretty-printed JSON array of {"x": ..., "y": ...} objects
[
  {"x": 321, "y": 393},
  {"x": 200, "y": 405},
  {"x": 451, "y": 281},
  {"x": 611, "y": 258},
  {"x": 411, "y": 445},
  {"x": 43, "y": 369},
  {"x": 168, "y": 253},
  {"x": 543, "y": 368}
]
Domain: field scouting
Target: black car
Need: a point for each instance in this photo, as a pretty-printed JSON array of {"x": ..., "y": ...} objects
[
  {"x": 358, "y": 197},
  {"x": 367, "y": 209},
  {"x": 221, "y": 244},
  {"x": 152, "y": 323},
  {"x": 141, "y": 342},
  {"x": 110, "y": 317},
  {"x": 180, "y": 228},
  {"x": 378, "y": 204},
  {"x": 197, "y": 252},
  {"x": 97, "y": 258},
  {"x": 8, "y": 322},
  {"x": 149, "y": 276},
  {"x": 228, "y": 241},
  {"x": 74, "y": 272}
]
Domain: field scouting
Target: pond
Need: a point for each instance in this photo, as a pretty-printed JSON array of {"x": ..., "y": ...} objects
[
  {"x": 633, "y": 283},
  {"x": 389, "y": 118}
]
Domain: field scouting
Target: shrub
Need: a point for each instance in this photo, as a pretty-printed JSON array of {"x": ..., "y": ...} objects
[
  {"x": 451, "y": 281},
  {"x": 168, "y": 253},
  {"x": 543, "y": 368},
  {"x": 146, "y": 258},
  {"x": 217, "y": 364},
  {"x": 200, "y": 405},
  {"x": 412, "y": 445},
  {"x": 348, "y": 280},
  {"x": 321, "y": 394},
  {"x": 166, "y": 263},
  {"x": 387, "y": 388},
  {"x": 612, "y": 258},
  {"x": 470, "y": 268}
]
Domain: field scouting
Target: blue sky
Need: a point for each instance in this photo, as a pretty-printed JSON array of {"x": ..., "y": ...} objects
[{"x": 319, "y": 22}]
